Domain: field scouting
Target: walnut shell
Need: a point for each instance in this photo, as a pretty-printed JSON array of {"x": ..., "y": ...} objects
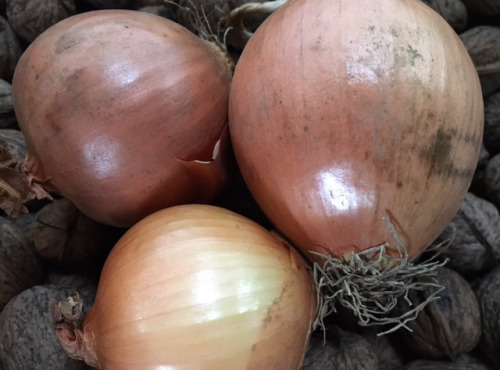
[
  {"x": 488, "y": 296},
  {"x": 483, "y": 44},
  {"x": 10, "y": 49},
  {"x": 20, "y": 266},
  {"x": 492, "y": 123},
  {"x": 29, "y": 18},
  {"x": 477, "y": 183},
  {"x": 476, "y": 358},
  {"x": 6, "y": 104},
  {"x": 67, "y": 238},
  {"x": 111, "y": 4},
  {"x": 440, "y": 365},
  {"x": 389, "y": 355},
  {"x": 13, "y": 141},
  {"x": 472, "y": 239},
  {"x": 343, "y": 350},
  {"x": 27, "y": 337},
  {"x": 453, "y": 11},
  {"x": 484, "y": 7},
  {"x": 161, "y": 10},
  {"x": 448, "y": 326},
  {"x": 491, "y": 180}
]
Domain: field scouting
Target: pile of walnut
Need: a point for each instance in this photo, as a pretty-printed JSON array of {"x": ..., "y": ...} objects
[{"x": 54, "y": 249}]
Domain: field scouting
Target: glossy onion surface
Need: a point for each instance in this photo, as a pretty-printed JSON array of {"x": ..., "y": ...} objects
[
  {"x": 199, "y": 287},
  {"x": 343, "y": 113},
  {"x": 124, "y": 113}
]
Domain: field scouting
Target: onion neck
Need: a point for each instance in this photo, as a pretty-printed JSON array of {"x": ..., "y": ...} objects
[
  {"x": 76, "y": 339},
  {"x": 35, "y": 176},
  {"x": 221, "y": 53},
  {"x": 20, "y": 182},
  {"x": 16, "y": 184},
  {"x": 237, "y": 33}
]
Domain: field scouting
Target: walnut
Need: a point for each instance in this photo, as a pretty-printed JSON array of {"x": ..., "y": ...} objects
[
  {"x": 342, "y": 350},
  {"x": 441, "y": 365},
  {"x": 389, "y": 355},
  {"x": 10, "y": 50},
  {"x": 476, "y": 358},
  {"x": 453, "y": 11},
  {"x": 111, "y": 4},
  {"x": 491, "y": 180},
  {"x": 471, "y": 242},
  {"x": 483, "y": 7},
  {"x": 13, "y": 141},
  {"x": 477, "y": 184},
  {"x": 446, "y": 327},
  {"x": 161, "y": 10},
  {"x": 7, "y": 116},
  {"x": 27, "y": 337},
  {"x": 29, "y": 18},
  {"x": 483, "y": 44},
  {"x": 20, "y": 267},
  {"x": 492, "y": 123},
  {"x": 67, "y": 238},
  {"x": 488, "y": 296}
]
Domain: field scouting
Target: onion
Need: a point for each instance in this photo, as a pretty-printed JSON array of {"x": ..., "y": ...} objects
[
  {"x": 124, "y": 113},
  {"x": 357, "y": 125},
  {"x": 195, "y": 287}
]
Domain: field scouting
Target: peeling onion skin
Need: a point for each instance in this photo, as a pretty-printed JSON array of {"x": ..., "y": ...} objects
[
  {"x": 343, "y": 113},
  {"x": 124, "y": 113},
  {"x": 198, "y": 287}
]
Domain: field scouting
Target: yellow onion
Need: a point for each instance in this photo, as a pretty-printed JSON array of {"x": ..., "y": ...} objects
[
  {"x": 124, "y": 113},
  {"x": 357, "y": 127},
  {"x": 196, "y": 287}
]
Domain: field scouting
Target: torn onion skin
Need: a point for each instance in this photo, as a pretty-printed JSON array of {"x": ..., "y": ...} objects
[
  {"x": 195, "y": 287},
  {"x": 124, "y": 113},
  {"x": 347, "y": 113}
]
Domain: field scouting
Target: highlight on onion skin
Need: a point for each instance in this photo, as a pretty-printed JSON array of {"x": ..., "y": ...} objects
[
  {"x": 357, "y": 127},
  {"x": 124, "y": 113},
  {"x": 195, "y": 286}
]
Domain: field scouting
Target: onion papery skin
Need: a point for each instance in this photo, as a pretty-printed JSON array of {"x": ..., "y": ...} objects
[
  {"x": 346, "y": 113},
  {"x": 198, "y": 287},
  {"x": 124, "y": 113}
]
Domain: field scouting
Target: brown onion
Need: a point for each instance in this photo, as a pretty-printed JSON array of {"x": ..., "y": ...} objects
[
  {"x": 124, "y": 113},
  {"x": 195, "y": 287},
  {"x": 343, "y": 113},
  {"x": 357, "y": 124}
]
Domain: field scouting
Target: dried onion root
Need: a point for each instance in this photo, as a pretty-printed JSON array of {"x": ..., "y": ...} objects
[
  {"x": 234, "y": 21},
  {"x": 371, "y": 282}
]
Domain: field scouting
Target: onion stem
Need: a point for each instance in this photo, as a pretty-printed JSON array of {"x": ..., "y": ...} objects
[
  {"x": 68, "y": 317},
  {"x": 234, "y": 21}
]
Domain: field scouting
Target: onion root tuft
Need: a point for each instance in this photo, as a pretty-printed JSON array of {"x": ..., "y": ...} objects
[{"x": 371, "y": 282}]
